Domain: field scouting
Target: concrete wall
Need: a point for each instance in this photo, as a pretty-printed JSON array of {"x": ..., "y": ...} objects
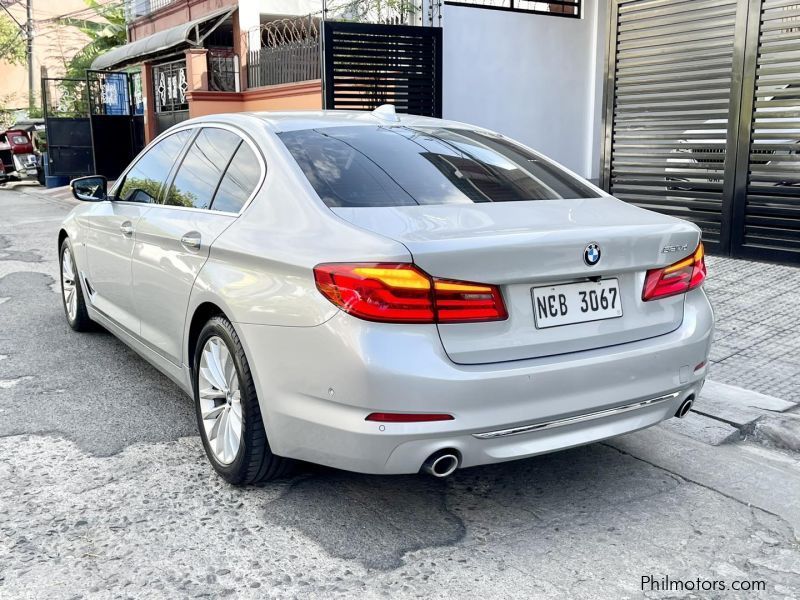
[
  {"x": 535, "y": 78},
  {"x": 305, "y": 95}
]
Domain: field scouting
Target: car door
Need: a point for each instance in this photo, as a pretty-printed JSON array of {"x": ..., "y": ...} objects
[
  {"x": 111, "y": 231},
  {"x": 218, "y": 174}
]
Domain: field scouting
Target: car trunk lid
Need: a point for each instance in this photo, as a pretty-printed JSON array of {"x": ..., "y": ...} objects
[{"x": 520, "y": 246}]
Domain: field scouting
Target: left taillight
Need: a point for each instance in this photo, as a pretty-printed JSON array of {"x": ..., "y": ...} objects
[
  {"x": 403, "y": 293},
  {"x": 677, "y": 278}
]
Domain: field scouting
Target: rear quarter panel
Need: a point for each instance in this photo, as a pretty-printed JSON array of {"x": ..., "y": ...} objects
[{"x": 260, "y": 270}]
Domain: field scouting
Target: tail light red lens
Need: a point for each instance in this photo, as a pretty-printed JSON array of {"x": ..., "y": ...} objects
[
  {"x": 678, "y": 278},
  {"x": 403, "y": 293}
]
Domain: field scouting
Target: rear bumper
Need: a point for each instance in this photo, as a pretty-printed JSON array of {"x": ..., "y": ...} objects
[{"x": 317, "y": 384}]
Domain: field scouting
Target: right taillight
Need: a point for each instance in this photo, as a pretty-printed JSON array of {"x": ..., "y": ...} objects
[
  {"x": 678, "y": 278},
  {"x": 403, "y": 293}
]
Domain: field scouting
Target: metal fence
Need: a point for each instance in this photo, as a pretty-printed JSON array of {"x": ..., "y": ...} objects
[
  {"x": 289, "y": 52},
  {"x": 65, "y": 105},
  {"x": 223, "y": 70},
  {"x": 555, "y": 8},
  {"x": 367, "y": 65},
  {"x": 703, "y": 119},
  {"x": 65, "y": 97}
]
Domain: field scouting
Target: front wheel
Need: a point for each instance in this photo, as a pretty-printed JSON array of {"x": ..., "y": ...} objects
[
  {"x": 71, "y": 292},
  {"x": 228, "y": 414}
]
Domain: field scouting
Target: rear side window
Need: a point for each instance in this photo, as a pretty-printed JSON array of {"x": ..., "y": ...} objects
[
  {"x": 404, "y": 166},
  {"x": 200, "y": 172},
  {"x": 240, "y": 180},
  {"x": 143, "y": 182}
]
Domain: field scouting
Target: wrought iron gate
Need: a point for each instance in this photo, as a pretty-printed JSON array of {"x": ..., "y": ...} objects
[
  {"x": 69, "y": 135},
  {"x": 169, "y": 81},
  {"x": 703, "y": 118},
  {"x": 368, "y": 65},
  {"x": 116, "y": 115}
]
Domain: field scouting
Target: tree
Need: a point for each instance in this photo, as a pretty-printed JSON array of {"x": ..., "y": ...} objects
[
  {"x": 103, "y": 35},
  {"x": 379, "y": 11},
  {"x": 106, "y": 31},
  {"x": 12, "y": 41}
]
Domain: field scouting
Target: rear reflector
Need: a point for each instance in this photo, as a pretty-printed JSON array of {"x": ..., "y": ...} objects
[
  {"x": 407, "y": 417},
  {"x": 678, "y": 278},
  {"x": 403, "y": 293}
]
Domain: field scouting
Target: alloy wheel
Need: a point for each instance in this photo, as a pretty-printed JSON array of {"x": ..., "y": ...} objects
[
  {"x": 220, "y": 400},
  {"x": 68, "y": 284}
]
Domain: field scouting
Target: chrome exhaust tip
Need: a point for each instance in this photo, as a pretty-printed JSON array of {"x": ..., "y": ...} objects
[
  {"x": 442, "y": 463},
  {"x": 685, "y": 407}
]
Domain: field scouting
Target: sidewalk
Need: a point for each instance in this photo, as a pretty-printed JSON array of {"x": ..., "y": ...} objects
[
  {"x": 753, "y": 386},
  {"x": 757, "y": 340}
]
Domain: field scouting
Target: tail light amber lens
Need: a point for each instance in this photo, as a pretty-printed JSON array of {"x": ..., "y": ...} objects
[
  {"x": 678, "y": 278},
  {"x": 403, "y": 293}
]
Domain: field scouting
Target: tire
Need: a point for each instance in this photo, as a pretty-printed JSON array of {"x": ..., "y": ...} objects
[
  {"x": 234, "y": 407},
  {"x": 77, "y": 315}
]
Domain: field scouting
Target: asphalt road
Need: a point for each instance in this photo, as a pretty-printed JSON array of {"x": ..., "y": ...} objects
[{"x": 105, "y": 492}]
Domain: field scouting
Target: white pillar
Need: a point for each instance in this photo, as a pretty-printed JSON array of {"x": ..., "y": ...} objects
[{"x": 249, "y": 22}]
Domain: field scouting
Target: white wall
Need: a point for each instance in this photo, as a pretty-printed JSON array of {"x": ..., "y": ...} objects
[{"x": 535, "y": 78}]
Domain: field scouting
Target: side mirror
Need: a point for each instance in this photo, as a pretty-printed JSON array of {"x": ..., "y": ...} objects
[{"x": 93, "y": 188}]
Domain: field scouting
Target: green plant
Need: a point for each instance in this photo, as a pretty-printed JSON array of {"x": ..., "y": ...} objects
[
  {"x": 8, "y": 112},
  {"x": 12, "y": 41},
  {"x": 375, "y": 10},
  {"x": 106, "y": 30},
  {"x": 104, "y": 34}
]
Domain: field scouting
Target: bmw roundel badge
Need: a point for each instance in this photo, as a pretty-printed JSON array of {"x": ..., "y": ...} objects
[{"x": 591, "y": 254}]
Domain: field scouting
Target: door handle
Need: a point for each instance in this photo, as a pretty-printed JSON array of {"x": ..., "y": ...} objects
[
  {"x": 126, "y": 228},
  {"x": 191, "y": 241}
]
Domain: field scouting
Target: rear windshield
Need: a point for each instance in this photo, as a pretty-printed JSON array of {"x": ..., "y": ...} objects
[{"x": 404, "y": 166}]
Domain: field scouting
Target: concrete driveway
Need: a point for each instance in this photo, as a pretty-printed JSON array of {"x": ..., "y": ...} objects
[{"x": 106, "y": 492}]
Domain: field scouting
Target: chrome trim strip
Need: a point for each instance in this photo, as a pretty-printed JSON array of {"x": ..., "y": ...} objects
[{"x": 576, "y": 419}]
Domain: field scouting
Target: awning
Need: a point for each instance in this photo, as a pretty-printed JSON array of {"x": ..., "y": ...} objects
[{"x": 189, "y": 34}]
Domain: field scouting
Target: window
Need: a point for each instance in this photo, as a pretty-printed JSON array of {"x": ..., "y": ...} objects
[
  {"x": 169, "y": 80},
  {"x": 239, "y": 182},
  {"x": 201, "y": 169},
  {"x": 143, "y": 182},
  {"x": 558, "y": 8},
  {"x": 403, "y": 166}
]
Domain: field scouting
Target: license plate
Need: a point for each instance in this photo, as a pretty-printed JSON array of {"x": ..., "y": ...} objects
[{"x": 576, "y": 303}]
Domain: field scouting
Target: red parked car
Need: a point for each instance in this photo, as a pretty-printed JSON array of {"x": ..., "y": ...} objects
[{"x": 16, "y": 155}]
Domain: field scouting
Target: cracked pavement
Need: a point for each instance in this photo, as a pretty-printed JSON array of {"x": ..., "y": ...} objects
[{"x": 107, "y": 493}]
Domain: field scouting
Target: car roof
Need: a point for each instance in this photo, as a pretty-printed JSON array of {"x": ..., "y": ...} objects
[{"x": 295, "y": 120}]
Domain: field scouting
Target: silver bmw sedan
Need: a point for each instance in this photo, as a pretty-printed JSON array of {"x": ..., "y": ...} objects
[{"x": 386, "y": 294}]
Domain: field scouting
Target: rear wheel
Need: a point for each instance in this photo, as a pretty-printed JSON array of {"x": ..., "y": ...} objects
[
  {"x": 228, "y": 414},
  {"x": 71, "y": 292}
]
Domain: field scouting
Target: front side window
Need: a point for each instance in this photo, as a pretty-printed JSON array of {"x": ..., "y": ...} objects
[
  {"x": 405, "y": 166},
  {"x": 143, "y": 182},
  {"x": 200, "y": 172}
]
